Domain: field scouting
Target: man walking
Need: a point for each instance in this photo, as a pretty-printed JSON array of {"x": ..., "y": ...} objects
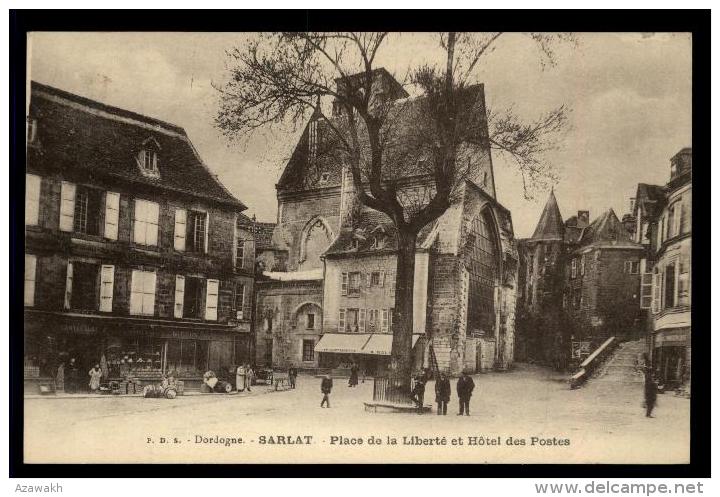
[
  {"x": 442, "y": 394},
  {"x": 650, "y": 393},
  {"x": 465, "y": 387},
  {"x": 326, "y": 388},
  {"x": 418, "y": 392}
]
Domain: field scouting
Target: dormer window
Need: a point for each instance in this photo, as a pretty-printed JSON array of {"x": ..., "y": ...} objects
[
  {"x": 147, "y": 158},
  {"x": 324, "y": 177}
]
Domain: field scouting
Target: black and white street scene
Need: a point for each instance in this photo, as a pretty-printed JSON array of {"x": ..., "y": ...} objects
[{"x": 358, "y": 247}]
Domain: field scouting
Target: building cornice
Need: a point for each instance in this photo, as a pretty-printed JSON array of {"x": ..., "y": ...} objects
[{"x": 134, "y": 320}]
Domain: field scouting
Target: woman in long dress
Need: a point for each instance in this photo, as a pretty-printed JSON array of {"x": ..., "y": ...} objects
[
  {"x": 250, "y": 374},
  {"x": 95, "y": 374},
  {"x": 353, "y": 381},
  {"x": 240, "y": 378}
]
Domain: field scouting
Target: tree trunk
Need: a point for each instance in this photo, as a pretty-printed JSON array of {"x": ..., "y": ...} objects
[{"x": 401, "y": 355}]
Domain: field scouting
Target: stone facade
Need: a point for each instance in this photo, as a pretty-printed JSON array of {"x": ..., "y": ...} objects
[
  {"x": 283, "y": 327},
  {"x": 324, "y": 231},
  {"x": 604, "y": 295},
  {"x": 670, "y": 344},
  {"x": 580, "y": 283},
  {"x": 102, "y": 219}
]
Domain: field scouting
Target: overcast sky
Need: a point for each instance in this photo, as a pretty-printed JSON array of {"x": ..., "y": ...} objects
[{"x": 630, "y": 95}]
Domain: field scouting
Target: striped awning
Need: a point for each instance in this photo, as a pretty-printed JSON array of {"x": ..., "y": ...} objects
[{"x": 342, "y": 343}]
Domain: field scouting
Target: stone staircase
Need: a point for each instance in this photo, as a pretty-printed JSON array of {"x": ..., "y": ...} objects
[{"x": 621, "y": 366}]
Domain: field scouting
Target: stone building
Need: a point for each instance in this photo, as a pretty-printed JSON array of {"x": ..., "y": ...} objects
[
  {"x": 672, "y": 276},
  {"x": 341, "y": 265},
  {"x": 602, "y": 281},
  {"x": 542, "y": 327},
  {"x": 133, "y": 256},
  {"x": 580, "y": 282}
]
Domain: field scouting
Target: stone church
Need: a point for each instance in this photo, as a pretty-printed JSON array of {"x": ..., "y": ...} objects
[{"x": 327, "y": 292}]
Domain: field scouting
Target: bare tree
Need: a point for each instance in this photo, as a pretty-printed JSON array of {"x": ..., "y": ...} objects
[{"x": 281, "y": 77}]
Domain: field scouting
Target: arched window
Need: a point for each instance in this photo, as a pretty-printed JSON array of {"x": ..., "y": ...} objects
[
  {"x": 315, "y": 239},
  {"x": 483, "y": 265},
  {"x": 308, "y": 316}
]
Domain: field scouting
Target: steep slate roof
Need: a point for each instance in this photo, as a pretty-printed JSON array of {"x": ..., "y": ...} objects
[
  {"x": 370, "y": 225},
  {"x": 607, "y": 229},
  {"x": 300, "y": 174},
  {"x": 652, "y": 198},
  {"x": 84, "y": 135},
  {"x": 550, "y": 226}
]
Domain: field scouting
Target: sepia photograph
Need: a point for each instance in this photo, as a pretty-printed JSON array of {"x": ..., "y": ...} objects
[{"x": 372, "y": 247}]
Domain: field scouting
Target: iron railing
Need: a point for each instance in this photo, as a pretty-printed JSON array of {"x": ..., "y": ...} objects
[{"x": 391, "y": 389}]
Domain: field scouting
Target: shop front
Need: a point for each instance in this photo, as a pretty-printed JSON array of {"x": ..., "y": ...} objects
[
  {"x": 139, "y": 350},
  {"x": 369, "y": 351},
  {"x": 671, "y": 356}
]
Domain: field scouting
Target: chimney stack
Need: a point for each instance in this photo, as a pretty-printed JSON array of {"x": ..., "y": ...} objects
[
  {"x": 349, "y": 203},
  {"x": 583, "y": 219}
]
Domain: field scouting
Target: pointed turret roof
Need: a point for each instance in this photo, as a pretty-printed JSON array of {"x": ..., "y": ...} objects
[{"x": 550, "y": 226}]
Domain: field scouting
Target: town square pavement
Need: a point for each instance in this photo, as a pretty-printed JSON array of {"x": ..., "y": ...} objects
[{"x": 527, "y": 415}]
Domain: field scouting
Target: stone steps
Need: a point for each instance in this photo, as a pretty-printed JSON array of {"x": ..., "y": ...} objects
[{"x": 621, "y": 367}]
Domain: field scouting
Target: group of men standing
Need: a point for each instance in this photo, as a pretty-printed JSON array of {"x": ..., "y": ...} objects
[{"x": 465, "y": 387}]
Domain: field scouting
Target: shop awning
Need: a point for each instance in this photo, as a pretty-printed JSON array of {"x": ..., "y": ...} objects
[
  {"x": 381, "y": 344},
  {"x": 342, "y": 343}
]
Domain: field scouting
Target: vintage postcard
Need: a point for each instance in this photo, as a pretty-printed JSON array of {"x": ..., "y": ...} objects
[{"x": 358, "y": 247}]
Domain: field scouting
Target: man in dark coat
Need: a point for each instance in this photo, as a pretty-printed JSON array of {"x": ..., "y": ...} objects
[
  {"x": 418, "y": 392},
  {"x": 465, "y": 387},
  {"x": 442, "y": 394},
  {"x": 326, "y": 388},
  {"x": 650, "y": 393},
  {"x": 292, "y": 376},
  {"x": 71, "y": 375}
]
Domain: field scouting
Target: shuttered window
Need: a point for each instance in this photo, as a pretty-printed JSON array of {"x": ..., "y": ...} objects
[
  {"x": 107, "y": 283},
  {"x": 32, "y": 199},
  {"x": 344, "y": 284},
  {"x": 112, "y": 215},
  {"x": 239, "y": 253},
  {"x": 657, "y": 290},
  {"x": 67, "y": 206},
  {"x": 179, "y": 295},
  {"x": 68, "y": 285},
  {"x": 341, "y": 321},
  {"x": 30, "y": 273},
  {"x": 211, "y": 300},
  {"x": 180, "y": 229},
  {"x": 142, "y": 293},
  {"x": 361, "y": 321},
  {"x": 385, "y": 321},
  {"x": 683, "y": 291},
  {"x": 646, "y": 291},
  {"x": 146, "y": 222},
  {"x": 354, "y": 283}
]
